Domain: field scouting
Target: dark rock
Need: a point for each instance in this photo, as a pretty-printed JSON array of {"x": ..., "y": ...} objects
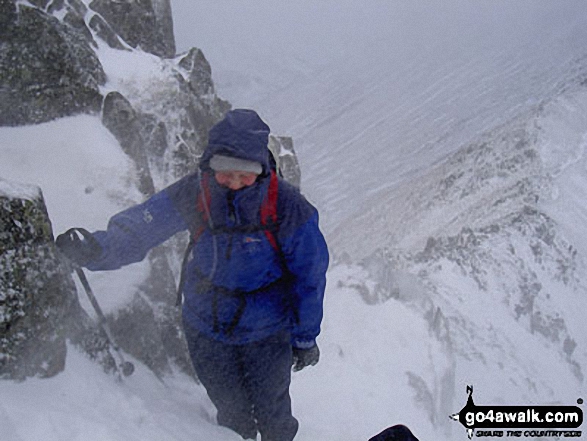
[
  {"x": 8, "y": 18},
  {"x": 120, "y": 118},
  {"x": 136, "y": 331},
  {"x": 105, "y": 32},
  {"x": 286, "y": 159},
  {"x": 56, "y": 5},
  {"x": 37, "y": 298},
  {"x": 47, "y": 70},
  {"x": 199, "y": 72},
  {"x": 143, "y": 24},
  {"x": 78, "y": 6},
  {"x": 77, "y": 22}
]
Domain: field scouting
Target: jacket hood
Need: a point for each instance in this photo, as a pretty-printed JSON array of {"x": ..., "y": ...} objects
[{"x": 240, "y": 134}]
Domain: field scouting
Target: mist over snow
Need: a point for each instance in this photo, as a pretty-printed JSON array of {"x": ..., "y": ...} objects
[
  {"x": 444, "y": 146},
  {"x": 405, "y": 81}
]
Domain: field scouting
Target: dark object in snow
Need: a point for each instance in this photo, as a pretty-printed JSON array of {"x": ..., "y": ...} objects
[
  {"x": 395, "y": 433},
  {"x": 125, "y": 367}
]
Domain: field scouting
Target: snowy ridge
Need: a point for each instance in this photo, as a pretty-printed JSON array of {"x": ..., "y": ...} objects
[
  {"x": 400, "y": 130},
  {"x": 487, "y": 249},
  {"x": 476, "y": 186}
]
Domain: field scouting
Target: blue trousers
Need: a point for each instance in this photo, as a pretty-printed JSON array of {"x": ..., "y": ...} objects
[{"x": 248, "y": 384}]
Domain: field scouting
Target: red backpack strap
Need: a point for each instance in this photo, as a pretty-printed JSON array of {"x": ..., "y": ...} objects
[
  {"x": 203, "y": 206},
  {"x": 269, "y": 210}
]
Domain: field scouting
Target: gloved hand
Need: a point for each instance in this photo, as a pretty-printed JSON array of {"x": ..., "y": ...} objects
[
  {"x": 79, "y": 246},
  {"x": 305, "y": 357}
]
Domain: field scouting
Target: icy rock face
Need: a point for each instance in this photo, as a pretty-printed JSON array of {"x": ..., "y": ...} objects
[
  {"x": 286, "y": 159},
  {"x": 144, "y": 24},
  {"x": 164, "y": 127},
  {"x": 121, "y": 119},
  {"x": 47, "y": 68},
  {"x": 36, "y": 297},
  {"x": 39, "y": 308}
]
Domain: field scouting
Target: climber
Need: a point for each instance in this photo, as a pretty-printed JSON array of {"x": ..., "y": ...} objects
[{"x": 252, "y": 281}]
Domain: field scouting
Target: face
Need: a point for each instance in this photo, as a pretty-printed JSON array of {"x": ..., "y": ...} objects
[{"x": 235, "y": 179}]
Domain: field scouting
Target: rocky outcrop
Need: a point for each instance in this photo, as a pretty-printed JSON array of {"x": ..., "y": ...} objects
[
  {"x": 286, "y": 159},
  {"x": 125, "y": 124},
  {"x": 32, "y": 302},
  {"x": 49, "y": 62},
  {"x": 142, "y": 24},
  {"x": 47, "y": 68},
  {"x": 39, "y": 308},
  {"x": 164, "y": 128}
]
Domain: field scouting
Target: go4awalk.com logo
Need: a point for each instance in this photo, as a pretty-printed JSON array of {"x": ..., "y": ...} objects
[{"x": 520, "y": 421}]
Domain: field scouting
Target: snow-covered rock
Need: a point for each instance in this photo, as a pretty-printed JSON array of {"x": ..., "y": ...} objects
[
  {"x": 146, "y": 24},
  {"x": 38, "y": 303},
  {"x": 286, "y": 159},
  {"x": 47, "y": 68}
]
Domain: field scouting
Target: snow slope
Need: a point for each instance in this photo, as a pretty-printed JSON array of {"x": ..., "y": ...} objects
[{"x": 83, "y": 403}]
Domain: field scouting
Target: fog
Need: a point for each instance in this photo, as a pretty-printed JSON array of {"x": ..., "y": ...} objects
[{"x": 376, "y": 91}]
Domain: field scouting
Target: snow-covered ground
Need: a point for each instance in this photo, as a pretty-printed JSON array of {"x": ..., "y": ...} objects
[
  {"x": 353, "y": 393},
  {"x": 378, "y": 96}
]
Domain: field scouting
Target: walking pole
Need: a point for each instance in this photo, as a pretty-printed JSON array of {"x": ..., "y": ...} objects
[{"x": 126, "y": 367}]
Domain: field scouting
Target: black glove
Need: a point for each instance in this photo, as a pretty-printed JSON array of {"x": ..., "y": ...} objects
[
  {"x": 305, "y": 357},
  {"x": 79, "y": 246}
]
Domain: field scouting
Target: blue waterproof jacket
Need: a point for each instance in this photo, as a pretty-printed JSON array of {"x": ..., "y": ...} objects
[{"x": 282, "y": 288}]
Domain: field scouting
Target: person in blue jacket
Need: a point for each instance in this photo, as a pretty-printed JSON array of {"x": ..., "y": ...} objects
[{"x": 252, "y": 283}]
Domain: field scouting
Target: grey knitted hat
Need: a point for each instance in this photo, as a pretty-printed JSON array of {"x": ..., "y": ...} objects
[{"x": 226, "y": 163}]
